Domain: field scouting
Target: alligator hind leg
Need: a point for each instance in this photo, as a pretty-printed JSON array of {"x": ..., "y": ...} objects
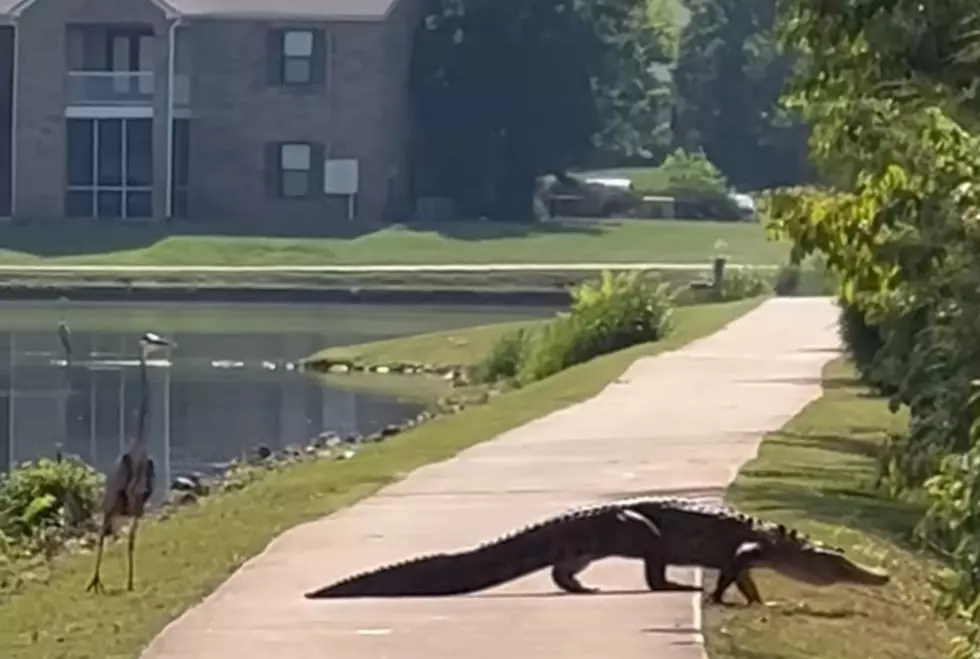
[
  {"x": 655, "y": 572},
  {"x": 737, "y": 573},
  {"x": 565, "y": 575}
]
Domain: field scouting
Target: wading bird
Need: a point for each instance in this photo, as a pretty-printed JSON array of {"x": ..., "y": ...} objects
[
  {"x": 64, "y": 335},
  {"x": 131, "y": 484}
]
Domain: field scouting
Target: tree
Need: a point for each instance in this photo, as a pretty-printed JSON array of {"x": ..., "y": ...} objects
[
  {"x": 730, "y": 74},
  {"x": 889, "y": 88},
  {"x": 507, "y": 90}
]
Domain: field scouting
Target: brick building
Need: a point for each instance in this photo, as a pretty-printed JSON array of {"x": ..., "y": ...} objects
[{"x": 243, "y": 111}]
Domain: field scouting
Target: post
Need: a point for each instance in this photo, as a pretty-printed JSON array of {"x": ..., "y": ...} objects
[
  {"x": 718, "y": 282},
  {"x": 12, "y": 405},
  {"x": 166, "y": 418}
]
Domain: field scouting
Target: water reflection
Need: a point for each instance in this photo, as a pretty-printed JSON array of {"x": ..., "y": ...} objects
[{"x": 207, "y": 403}]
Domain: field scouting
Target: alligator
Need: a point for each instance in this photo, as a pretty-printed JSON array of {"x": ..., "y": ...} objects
[{"x": 661, "y": 531}]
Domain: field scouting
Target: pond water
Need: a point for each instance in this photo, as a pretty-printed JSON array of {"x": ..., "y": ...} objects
[{"x": 229, "y": 385}]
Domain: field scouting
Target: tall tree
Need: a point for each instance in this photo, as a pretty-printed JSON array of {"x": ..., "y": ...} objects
[
  {"x": 730, "y": 74},
  {"x": 506, "y": 90}
]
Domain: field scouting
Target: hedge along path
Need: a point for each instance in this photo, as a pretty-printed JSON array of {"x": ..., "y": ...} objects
[{"x": 680, "y": 423}]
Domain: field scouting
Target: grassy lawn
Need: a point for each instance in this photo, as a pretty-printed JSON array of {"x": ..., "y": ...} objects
[
  {"x": 182, "y": 559},
  {"x": 564, "y": 241},
  {"x": 461, "y": 347},
  {"x": 814, "y": 475}
]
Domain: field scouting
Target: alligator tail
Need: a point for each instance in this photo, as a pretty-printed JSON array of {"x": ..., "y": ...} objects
[{"x": 505, "y": 559}]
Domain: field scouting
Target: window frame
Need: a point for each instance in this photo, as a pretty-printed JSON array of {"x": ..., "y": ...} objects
[
  {"x": 289, "y": 58},
  {"x": 283, "y": 170}
]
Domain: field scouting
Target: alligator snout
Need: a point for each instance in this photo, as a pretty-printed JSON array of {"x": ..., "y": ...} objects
[{"x": 820, "y": 567}]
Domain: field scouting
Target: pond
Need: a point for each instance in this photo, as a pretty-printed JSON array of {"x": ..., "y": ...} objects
[{"x": 229, "y": 386}]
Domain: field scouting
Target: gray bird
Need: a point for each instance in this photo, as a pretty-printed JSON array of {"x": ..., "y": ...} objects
[{"x": 131, "y": 484}]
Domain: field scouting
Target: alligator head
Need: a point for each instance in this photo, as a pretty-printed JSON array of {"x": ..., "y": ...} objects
[{"x": 806, "y": 561}]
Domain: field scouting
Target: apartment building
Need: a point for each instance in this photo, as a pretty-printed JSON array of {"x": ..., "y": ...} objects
[{"x": 237, "y": 111}]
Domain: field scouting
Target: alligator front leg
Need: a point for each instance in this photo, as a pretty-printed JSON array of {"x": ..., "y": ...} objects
[{"x": 565, "y": 575}]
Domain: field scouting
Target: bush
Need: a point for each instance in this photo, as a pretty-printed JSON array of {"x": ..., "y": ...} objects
[
  {"x": 700, "y": 189},
  {"x": 617, "y": 311},
  {"x": 788, "y": 280},
  {"x": 45, "y": 497},
  {"x": 505, "y": 358},
  {"x": 693, "y": 175},
  {"x": 862, "y": 341},
  {"x": 742, "y": 283}
]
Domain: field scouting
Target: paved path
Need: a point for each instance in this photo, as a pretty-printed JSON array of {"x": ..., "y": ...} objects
[{"x": 678, "y": 423}]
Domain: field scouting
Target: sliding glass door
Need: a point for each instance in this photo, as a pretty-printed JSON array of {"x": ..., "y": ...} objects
[{"x": 109, "y": 168}]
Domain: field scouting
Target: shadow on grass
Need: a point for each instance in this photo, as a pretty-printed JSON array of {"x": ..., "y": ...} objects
[
  {"x": 476, "y": 230},
  {"x": 53, "y": 238},
  {"x": 858, "y": 509},
  {"x": 827, "y": 383}
]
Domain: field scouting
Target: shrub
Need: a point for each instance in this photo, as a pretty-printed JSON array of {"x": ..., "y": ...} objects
[
  {"x": 504, "y": 359},
  {"x": 615, "y": 312},
  {"x": 742, "y": 283},
  {"x": 47, "y": 496},
  {"x": 862, "y": 341},
  {"x": 693, "y": 175},
  {"x": 788, "y": 280}
]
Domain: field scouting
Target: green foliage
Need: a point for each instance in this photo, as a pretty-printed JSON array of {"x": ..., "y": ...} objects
[
  {"x": 692, "y": 174},
  {"x": 893, "y": 130},
  {"x": 507, "y": 90},
  {"x": 505, "y": 357},
  {"x": 44, "y": 498},
  {"x": 729, "y": 76},
  {"x": 862, "y": 341},
  {"x": 744, "y": 283},
  {"x": 615, "y": 312}
]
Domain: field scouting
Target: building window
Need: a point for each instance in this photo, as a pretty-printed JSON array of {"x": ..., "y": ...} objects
[
  {"x": 295, "y": 163},
  {"x": 297, "y": 57},
  {"x": 109, "y": 168}
]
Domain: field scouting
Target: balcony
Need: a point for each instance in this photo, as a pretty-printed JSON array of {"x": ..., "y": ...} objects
[{"x": 110, "y": 87}]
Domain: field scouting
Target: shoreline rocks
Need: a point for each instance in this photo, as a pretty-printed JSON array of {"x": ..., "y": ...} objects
[
  {"x": 190, "y": 488},
  {"x": 341, "y": 366}
]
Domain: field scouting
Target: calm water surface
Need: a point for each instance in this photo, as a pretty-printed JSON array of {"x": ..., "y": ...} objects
[{"x": 226, "y": 388}]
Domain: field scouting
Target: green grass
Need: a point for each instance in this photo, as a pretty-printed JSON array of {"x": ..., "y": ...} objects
[
  {"x": 184, "y": 558},
  {"x": 566, "y": 241},
  {"x": 815, "y": 475},
  {"x": 410, "y": 388},
  {"x": 460, "y": 347}
]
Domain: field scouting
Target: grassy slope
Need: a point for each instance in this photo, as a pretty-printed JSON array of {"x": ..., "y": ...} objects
[
  {"x": 463, "y": 242},
  {"x": 815, "y": 475},
  {"x": 189, "y": 555},
  {"x": 461, "y": 347}
]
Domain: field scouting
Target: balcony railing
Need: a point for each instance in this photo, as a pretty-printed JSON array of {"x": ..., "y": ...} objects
[{"x": 110, "y": 87}]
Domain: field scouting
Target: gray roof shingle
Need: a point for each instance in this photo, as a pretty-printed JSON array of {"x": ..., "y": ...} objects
[{"x": 355, "y": 10}]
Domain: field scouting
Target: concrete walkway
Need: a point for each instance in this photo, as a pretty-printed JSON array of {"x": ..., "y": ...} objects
[{"x": 681, "y": 423}]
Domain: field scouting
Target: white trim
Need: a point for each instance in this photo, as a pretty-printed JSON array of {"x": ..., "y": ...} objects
[
  {"x": 169, "y": 10},
  {"x": 14, "y": 102},
  {"x": 171, "y": 66},
  {"x": 108, "y": 112},
  {"x": 289, "y": 16}
]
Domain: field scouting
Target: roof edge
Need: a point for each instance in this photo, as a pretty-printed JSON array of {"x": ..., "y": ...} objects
[
  {"x": 285, "y": 16},
  {"x": 169, "y": 10}
]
